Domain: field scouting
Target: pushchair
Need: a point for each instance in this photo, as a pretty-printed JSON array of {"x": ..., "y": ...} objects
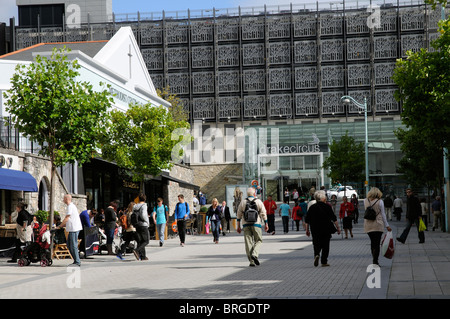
[
  {"x": 102, "y": 243},
  {"x": 38, "y": 250},
  {"x": 131, "y": 245}
]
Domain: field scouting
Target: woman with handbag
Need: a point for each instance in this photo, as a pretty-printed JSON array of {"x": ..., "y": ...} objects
[
  {"x": 375, "y": 228},
  {"x": 322, "y": 221}
]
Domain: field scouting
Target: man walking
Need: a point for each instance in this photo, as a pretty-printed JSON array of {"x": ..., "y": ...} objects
[
  {"x": 252, "y": 230},
  {"x": 181, "y": 214},
  {"x": 413, "y": 216},
  {"x": 226, "y": 217},
  {"x": 73, "y": 225},
  {"x": 436, "y": 211}
]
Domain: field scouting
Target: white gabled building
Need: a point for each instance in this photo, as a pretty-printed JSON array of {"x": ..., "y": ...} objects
[{"x": 118, "y": 63}]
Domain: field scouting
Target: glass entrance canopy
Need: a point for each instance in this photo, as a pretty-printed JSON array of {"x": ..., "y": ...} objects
[{"x": 291, "y": 156}]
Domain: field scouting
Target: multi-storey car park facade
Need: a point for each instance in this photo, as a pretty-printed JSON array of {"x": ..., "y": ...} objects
[{"x": 285, "y": 67}]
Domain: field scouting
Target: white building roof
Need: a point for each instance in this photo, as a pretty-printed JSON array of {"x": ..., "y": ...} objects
[{"x": 117, "y": 62}]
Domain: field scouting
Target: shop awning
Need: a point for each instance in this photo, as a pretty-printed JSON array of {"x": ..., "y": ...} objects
[{"x": 17, "y": 180}]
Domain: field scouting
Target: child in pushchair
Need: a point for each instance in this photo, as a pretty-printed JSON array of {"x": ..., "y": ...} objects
[{"x": 38, "y": 250}]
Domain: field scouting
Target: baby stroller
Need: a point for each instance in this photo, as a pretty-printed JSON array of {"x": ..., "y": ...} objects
[
  {"x": 102, "y": 243},
  {"x": 37, "y": 251},
  {"x": 131, "y": 245}
]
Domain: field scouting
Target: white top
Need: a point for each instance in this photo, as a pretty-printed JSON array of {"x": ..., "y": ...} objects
[
  {"x": 74, "y": 222},
  {"x": 398, "y": 202}
]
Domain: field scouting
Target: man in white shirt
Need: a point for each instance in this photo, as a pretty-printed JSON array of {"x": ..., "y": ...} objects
[{"x": 73, "y": 225}]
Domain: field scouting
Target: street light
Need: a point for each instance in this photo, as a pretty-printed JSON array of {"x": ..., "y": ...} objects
[{"x": 346, "y": 99}]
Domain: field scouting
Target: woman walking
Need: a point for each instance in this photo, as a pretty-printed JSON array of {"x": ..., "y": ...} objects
[
  {"x": 297, "y": 215},
  {"x": 128, "y": 230},
  {"x": 346, "y": 214},
  {"x": 214, "y": 217},
  {"x": 319, "y": 219},
  {"x": 375, "y": 228}
]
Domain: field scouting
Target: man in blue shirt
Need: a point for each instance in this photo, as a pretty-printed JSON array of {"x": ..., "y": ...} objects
[
  {"x": 181, "y": 214},
  {"x": 85, "y": 217},
  {"x": 285, "y": 212}
]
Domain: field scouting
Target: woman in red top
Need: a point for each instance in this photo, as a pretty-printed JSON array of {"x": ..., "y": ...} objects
[
  {"x": 346, "y": 214},
  {"x": 297, "y": 215},
  {"x": 270, "y": 206}
]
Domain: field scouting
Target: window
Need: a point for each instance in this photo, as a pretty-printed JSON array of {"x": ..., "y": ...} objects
[{"x": 49, "y": 15}]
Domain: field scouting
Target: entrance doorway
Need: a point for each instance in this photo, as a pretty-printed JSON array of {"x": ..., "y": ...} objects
[{"x": 299, "y": 171}]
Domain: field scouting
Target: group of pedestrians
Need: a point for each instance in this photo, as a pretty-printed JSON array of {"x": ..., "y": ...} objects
[{"x": 321, "y": 222}]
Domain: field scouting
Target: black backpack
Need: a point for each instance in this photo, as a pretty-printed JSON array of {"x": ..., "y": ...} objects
[
  {"x": 251, "y": 211},
  {"x": 134, "y": 217},
  {"x": 370, "y": 213}
]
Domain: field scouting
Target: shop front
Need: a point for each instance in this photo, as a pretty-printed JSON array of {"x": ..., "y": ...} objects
[
  {"x": 14, "y": 186},
  {"x": 291, "y": 156}
]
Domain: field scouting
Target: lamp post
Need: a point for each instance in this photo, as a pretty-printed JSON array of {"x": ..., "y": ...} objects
[{"x": 346, "y": 99}]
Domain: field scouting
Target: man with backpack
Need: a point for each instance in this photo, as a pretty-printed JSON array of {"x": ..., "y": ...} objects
[{"x": 252, "y": 213}]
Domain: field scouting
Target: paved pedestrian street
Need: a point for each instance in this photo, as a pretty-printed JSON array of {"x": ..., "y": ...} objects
[{"x": 204, "y": 270}]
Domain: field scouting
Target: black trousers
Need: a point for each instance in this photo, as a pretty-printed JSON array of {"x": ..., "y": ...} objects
[
  {"x": 143, "y": 237},
  {"x": 321, "y": 244},
  {"x": 127, "y": 238},
  {"x": 409, "y": 224},
  {"x": 181, "y": 228},
  {"x": 375, "y": 242},
  {"x": 271, "y": 222}
]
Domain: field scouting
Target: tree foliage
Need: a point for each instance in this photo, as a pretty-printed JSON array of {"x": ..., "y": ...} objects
[
  {"x": 346, "y": 160},
  {"x": 51, "y": 107},
  {"x": 140, "y": 139},
  {"x": 176, "y": 106},
  {"x": 421, "y": 163},
  {"x": 424, "y": 88}
]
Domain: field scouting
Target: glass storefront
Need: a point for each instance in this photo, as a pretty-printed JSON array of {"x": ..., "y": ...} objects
[{"x": 291, "y": 156}]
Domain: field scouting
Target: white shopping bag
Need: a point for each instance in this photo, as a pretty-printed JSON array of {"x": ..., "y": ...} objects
[{"x": 387, "y": 245}]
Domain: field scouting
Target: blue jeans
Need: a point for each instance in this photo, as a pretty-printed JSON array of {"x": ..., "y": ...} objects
[
  {"x": 215, "y": 228},
  {"x": 160, "y": 228},
  {"x": 72, "y": 245}
]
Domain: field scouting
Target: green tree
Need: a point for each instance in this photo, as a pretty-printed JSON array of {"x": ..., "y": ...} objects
[
  {"x": 52, "y": 108},
  {"x": 141, "y": 141},
  {"x": 434, "y": 3},
  {"x": 176, "y": 106},
  {"x": 421, "y": 163},
  {"x": 346, "y": 160},
  {"x": 424, "y": 88}
]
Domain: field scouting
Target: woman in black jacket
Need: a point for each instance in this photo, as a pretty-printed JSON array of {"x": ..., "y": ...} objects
[
  {"x": 319, "y": 218},
  {"x": 214, "y": 216}
]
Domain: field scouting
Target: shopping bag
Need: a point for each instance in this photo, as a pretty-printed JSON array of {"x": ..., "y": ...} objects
[
  {"x": 422, "y": 226},
  {"x": 387, "y": 245},
  {"x": 207, "y": 228}
]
